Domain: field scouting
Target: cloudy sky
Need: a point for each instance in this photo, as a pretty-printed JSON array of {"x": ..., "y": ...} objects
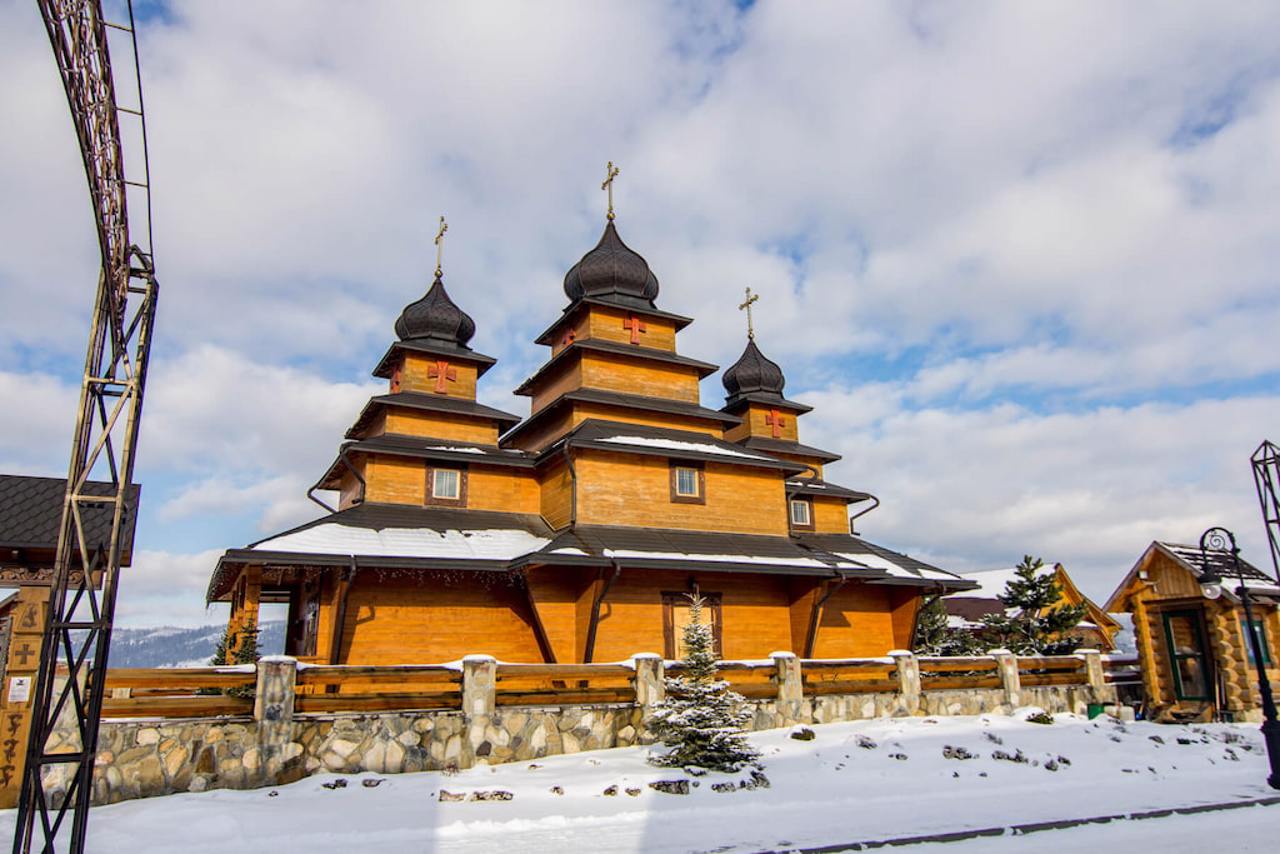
[{"x": 1021, "y": 257}]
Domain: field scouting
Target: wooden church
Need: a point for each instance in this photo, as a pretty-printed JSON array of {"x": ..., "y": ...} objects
[{"x": 575, "y": 534}]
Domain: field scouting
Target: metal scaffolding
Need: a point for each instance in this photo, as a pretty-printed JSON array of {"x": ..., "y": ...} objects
[{"x": 73, "y": 656}]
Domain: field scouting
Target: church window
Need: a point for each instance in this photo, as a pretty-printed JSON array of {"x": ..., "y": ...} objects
[
  {"x": 801, "y": 513},
  {"x": 688, "y": 483},
  {"x": 446, "y": 485}
]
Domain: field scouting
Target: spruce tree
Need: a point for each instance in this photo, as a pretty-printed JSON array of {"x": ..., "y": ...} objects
[
  {"x": 701, "y": 721},
  {"x": 1028, "y": 631},
  {"x": 934, "y": 636}
]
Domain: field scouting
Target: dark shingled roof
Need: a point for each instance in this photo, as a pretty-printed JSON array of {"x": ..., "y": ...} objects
[
  {"x": 614, "y": 272},
  {"x": 627, "y": 401},
  {"x": 1221, "y": 561},
  {"x": 597, "y": 434},
  {"x": 825, "y": 489},
  {"x": 435, "y": 319},
  {"x": 31, "y": 513},
  {"x": 925, "y": 574},
  {"x": 753, "y": 373},
  {"x": 782, "y": 446},
  {"x": 548, "y": 336},
  {"x": 632, "y": 351},
  {"x": 433, "y": 347},
  {"x": 739, "y": 402},
  {"x": 432, "y": 403}
]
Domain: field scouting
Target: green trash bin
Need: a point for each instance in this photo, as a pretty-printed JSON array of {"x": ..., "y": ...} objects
[{"x": 1096, "y": 709}]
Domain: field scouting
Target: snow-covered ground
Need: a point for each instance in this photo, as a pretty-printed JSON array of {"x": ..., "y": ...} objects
[{"x": 853, "y": 782}]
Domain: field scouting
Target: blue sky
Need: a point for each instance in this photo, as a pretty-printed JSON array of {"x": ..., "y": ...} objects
[{"x": 1021, "y": 257}]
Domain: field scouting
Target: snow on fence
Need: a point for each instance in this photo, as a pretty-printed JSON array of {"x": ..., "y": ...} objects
[{"x": 213, "y": 691}]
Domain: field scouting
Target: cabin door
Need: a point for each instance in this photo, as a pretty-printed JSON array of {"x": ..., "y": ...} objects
[
  {"x": 678, "y": 614},
  {"x": 1188, "y": 654},
  {"x": 304, "y": 619}
]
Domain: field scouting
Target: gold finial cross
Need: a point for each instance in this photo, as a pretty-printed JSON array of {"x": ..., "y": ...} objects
[
  {"x": 444, "y": 226},
  {"x": 611, "y": 172},
  {"x": 751, "y": 332}
]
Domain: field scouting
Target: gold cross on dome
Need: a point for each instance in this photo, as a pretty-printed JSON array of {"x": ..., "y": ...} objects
[
  {"x": 611, "y": 172},
  {"x": 444, "y": 226},
  {"x": 751, "y": 298}
]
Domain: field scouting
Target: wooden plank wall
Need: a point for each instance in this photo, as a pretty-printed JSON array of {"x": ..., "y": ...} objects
[
  {"x": 858, "y": 620},
  {"x": 630, "y": 376},
  {"x": 415, "y": 375},
  {"x": 830, "y": 516},
  {"x": 441, "y": 425},
  {"x": 609, "y": 324},
  {"x": 634, "y": 489}
]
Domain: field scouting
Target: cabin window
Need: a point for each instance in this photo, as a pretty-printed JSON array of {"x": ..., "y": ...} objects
[
  {"x": 688, "y": 483},
  {"x": 1261, "y": 629},
  {"x": 1185, "y": 637},
  {"x": 801, "y": 513},
  {"x": 677, "y": 612},
  {"x": 446, "y": 486}
]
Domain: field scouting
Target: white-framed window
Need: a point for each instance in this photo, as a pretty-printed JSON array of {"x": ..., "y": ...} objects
[
  {"x": 801, "y": 513},
  {"x": 446, "y": 484},
  {"x": 687, "y": 482}
]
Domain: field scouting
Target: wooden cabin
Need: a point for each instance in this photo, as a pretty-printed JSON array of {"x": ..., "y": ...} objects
[
  {"x": 1096, "y": 630},
  {"x": 1195, "y": 658},
  {"x": 576, "y": 534}
]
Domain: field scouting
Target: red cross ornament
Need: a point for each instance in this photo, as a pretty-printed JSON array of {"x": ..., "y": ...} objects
[
  {"x": 442, "y": 373},
  {"x": 636, "y": 325},
  {"x": 775, "y": 420}
]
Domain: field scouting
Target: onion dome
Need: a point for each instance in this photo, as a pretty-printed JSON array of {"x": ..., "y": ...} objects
[
  {"x": 753, "y": 374},
  {"x": 612, "y": 271},
  {"x": 435, "y": 318}
]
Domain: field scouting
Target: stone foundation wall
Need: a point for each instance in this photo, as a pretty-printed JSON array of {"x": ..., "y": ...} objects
[{"x": 138, "y": 759}]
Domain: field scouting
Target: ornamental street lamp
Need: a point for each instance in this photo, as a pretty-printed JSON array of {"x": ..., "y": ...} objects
[{"x": 1211, "y": 586}]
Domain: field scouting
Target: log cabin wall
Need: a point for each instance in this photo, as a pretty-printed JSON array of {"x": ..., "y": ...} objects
[
  {"x": 830, "y": 516},
  {"x": 635, "y": 489}
]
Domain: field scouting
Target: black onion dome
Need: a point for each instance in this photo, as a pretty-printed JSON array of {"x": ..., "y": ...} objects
[
  {"x": 753, "y": 374},
  {"x": 436, "y": 318},
  {"x": 612, "y": 271}
]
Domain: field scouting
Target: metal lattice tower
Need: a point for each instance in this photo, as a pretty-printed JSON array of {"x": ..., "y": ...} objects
[
  {"x": 1266, "y": 477},
  {"x": 73, "y": 657}
]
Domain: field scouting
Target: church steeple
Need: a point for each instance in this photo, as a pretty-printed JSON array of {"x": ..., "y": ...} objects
[
  {"x": 435, "y": 319},
  {"x": 754, "y": 375}
]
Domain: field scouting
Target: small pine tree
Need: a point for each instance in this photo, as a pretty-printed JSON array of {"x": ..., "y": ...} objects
[
  {"x": 1039, "y": 625},
  {"x": 934, "y": 636},
  {"x": 236, "y": 647},
  {"x": 701, "y": 721}
]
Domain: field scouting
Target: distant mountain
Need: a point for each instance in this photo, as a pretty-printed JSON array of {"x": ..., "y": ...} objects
[{"x": 174, "y": 647}]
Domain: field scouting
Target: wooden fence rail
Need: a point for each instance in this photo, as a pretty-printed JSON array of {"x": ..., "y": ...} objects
[{"x": 213, "y": 691}]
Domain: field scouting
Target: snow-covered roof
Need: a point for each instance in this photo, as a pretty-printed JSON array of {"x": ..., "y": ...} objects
[
  {"x": 676, "y": 445},
  {"x": 992, "y": 582},
  {"x": 336, "y": 538}
]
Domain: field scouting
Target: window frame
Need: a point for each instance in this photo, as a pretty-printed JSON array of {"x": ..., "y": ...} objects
[
  {"x": 676, "y": 496},
  {"x": 792, "y": 500},
  {"x": 430, "y": 487},
  {"x": 1261, "y": 625},
  {"x": 713, "y": 605}
]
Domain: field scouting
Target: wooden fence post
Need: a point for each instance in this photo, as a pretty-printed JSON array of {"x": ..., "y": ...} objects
[
  {"x": 908, "y": 671},
  {"x": 650, "y": 680},
  {"x": 1007, "y": 664},
  {"x": 273, "y": 710}
]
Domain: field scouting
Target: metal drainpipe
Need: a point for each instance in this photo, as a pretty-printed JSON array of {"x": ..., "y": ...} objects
[
  {"x": 811, "y": 639},
  {"x": 590, "y": 649},
  {"x": 342, "y": 458},
  {"x": 573, "y": 487},
  {"x": 862, "y": 513}
]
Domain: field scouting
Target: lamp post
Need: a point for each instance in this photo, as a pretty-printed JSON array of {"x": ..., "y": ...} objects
[{"x": 1211, "y": 586}]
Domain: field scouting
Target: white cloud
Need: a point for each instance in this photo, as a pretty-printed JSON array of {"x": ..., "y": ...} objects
[
  {"x": 167, "y": 589},
  {"x": 1011, "y": 194}
]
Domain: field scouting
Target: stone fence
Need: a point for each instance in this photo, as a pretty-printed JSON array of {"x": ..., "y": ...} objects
[{"x": 278, "y": 744}]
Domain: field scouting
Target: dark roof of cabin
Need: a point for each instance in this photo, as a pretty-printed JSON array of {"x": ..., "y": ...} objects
[
  {"x": 619, "y": 437},
  {"x": 783, "y": 446},
  {"x": 679, "y": 321},
  {"x": 633, "y": 351},
  {"x": 912, "y": 571},
  {"x": 433, "y": 403},
  {"x": 1221, "y": 562},
  {"x": 31, "y": 512},
  {"x": 420, "y": 448}
]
